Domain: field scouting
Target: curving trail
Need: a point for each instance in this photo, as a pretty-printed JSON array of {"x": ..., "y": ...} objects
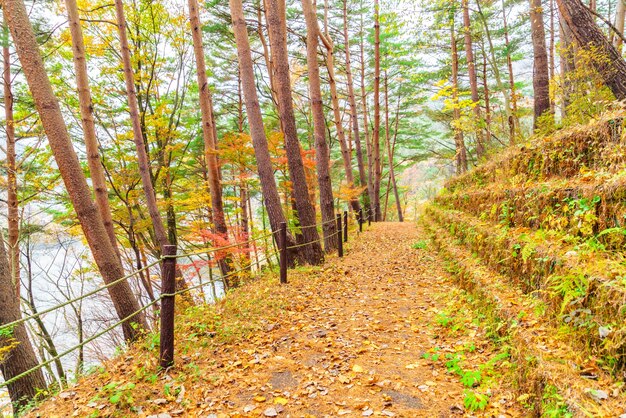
[{"x": 349, "y": 341}]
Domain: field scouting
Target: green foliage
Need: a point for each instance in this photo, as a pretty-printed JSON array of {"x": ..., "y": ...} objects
[
  {"x": 420, "y": 245},
  {"x": 475, "y": 401}
]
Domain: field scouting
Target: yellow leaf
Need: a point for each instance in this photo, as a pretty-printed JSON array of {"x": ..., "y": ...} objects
[
  {"x": 357, "y": 369},
  {"x": 259, "y": 398},
  {"x": 281, "y": 401}
]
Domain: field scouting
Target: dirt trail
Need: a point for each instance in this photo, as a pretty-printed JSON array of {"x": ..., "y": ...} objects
[
  {"x": 349, "y": 341},
  {"x": 354, "y": 345}
]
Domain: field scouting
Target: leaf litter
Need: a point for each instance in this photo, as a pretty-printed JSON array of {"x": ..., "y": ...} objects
[{"x": 355, "y": 337}]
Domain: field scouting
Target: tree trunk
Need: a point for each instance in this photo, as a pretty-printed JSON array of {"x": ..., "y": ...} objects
[
  {"x": 332, "y": 81},
  {"x": 353, "y": 108},
  {"x": 266, "y": 54},
  {"x": 541, "y": 75},
  {"x": 368, "y": 142},
  {"x": 67, "y": 161},
  {"x": 209, "y": 138},
  {"x": 140, "y": 145},
  {"x": 551, "y": 54},
  {"x": 327, "y": 207},
  {"x": 305, "y": 211},
  {"x": 20, "y": 356},
  {"x": 619, "y": 24},
  {"x": 496, "y": 72},
  {"x": 12, "y": 199},
  {"x": 392, "y": 175},
  {"x": 376, "y": 137},
  {"x": 567, "y": 61},
  {"x": 89, "y": 128},
  {"x": 486, "y": 95},
  {"x": 271, "y": 198},
  {"x": 459, "y": 142},
  {"x": 513, "y": 119},
  {"x": 473, "y": 80},
  {"x": 611, "y": 67}
]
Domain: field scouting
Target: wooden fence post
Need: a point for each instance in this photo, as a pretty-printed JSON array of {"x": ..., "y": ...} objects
[
  {"x": 361, "y": 220},
  {"x": 168, "y": 288},
  {"x": 283, "y": 252},
  {"x": 339, "y": 236},
  {"x": 345, "y": 226},
  {"x": 369, "y": 217}
]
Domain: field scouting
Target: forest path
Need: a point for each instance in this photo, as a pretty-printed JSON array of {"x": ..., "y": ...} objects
[
  {"x": 349, "y": 339},
  {"x": 354, "y": 343}
]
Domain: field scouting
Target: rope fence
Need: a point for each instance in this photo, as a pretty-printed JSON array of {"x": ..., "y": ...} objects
[{"x": 168, "y": 262}]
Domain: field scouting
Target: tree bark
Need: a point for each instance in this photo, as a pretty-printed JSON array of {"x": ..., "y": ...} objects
[
  {"x": 496, "y": 73},
  {"x": 541, "y": 75},
  {"x": 513, "y": 119},
  {"x": 209, "y": 138},
  {"x": 473, "y": 80},
  {"x": 587, "y": 34},
  {"x": 619, "y": 24},
  {"x": 354, "y": 109},
  {"x": 54, "y": 126},
  {"x": 271, "y": 198},
  {"x": 376, "y": 137},
  {"x": 392, "y": 175},
  {"x": 12, "y": 199},
  {"x": 140, "y": 144},
  {"x": 305, "y": 211},
  {"x": 459, "y": 141},
  {"x": 368, "y": 142},
  {"x": 327, "y": 207},
  {"x": 20, "y": 356},
  {"x": 89, "y": 128},
  {"x": 567, "y": 62},
  {"x": 345, "y": 149}
]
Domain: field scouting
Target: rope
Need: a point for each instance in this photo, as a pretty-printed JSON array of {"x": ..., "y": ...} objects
[
  {"x": 120, "y": 322},
  {"x": 70, "y": 350},
  {"x": 332, "y": 221},
  {"x": 312, "y": 242},
  {"x": 108, "y": 329},
  {"x": 215, "y": 249},
  {"x": 81, "y": 297},
  {"x": 232, "y": 273}
]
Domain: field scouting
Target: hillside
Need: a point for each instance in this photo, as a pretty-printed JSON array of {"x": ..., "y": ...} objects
[{"x": 538, "y": 235}]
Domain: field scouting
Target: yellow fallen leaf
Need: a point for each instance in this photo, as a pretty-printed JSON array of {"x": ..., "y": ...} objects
[
  {"x": 357, "y": 369},
  {"x": 280, "y": 400},
  {"x": 259, "y": 398}
]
